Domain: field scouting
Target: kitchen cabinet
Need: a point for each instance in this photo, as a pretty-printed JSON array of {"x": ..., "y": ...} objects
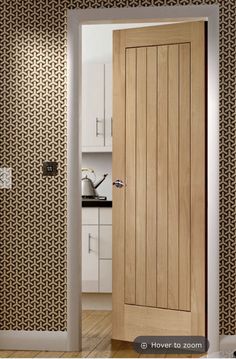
[
  {"x": 96, "y": 108},
  {"x": 105, "y": 243},
  {"x": 97, "y": 250},
  {"x": 108, "y": 105},
  {"x": 105, "y": 283},
  {"x": 90, "y": 216},
  {"x": 90, "y": 281},
  {"x": 92, "y": 105},
  {"x": 105, "y": 216}
]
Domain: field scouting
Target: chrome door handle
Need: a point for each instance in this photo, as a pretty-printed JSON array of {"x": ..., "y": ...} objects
[
  {"x": 89, "y": 243},
  {"x": 118, "y": 183}
]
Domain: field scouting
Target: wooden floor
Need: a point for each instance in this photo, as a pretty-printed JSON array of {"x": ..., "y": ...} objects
[{"x": 96, "y": 342}]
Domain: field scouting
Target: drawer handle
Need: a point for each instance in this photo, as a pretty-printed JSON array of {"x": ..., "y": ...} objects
[{"x": 89, "y": 243}]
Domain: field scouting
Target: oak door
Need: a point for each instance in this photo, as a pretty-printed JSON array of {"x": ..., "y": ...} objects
[{"x": 159, "y": 215}]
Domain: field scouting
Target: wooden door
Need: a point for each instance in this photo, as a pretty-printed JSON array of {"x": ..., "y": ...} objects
[{"x": 159, "y": 216}]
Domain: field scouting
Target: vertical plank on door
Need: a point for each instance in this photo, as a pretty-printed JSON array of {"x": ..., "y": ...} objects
[
  {"x": 141, "y": 174},
  {"x": 162, "y": 151},
  {"x": 173, "y": 204},
  {"x": 130, "y": 176},
  {"x": 184, "y": 178},
  {"x": 151, "y": 275}
]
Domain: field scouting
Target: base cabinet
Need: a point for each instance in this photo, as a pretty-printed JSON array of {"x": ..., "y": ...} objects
[
  {"x": 105, "y": 243},
  {"x": 97, "y": 250},
  {"x": 90, "y": 259},
  {"x": 105, "y": 280}
]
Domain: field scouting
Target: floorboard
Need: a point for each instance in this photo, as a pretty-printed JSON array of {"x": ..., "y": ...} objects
[
  {"x": 5, "y": 353},
  {"x": 24, "y": 354}
]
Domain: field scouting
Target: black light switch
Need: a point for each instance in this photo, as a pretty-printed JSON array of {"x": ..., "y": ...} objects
[{"x": 50, "y": 168}]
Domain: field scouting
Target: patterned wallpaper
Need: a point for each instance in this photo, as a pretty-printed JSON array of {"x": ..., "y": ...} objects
[{"x": 33, "y": 129}]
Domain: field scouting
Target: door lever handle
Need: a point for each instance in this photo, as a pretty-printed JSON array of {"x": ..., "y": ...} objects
[{"x": 118, "y": 183}]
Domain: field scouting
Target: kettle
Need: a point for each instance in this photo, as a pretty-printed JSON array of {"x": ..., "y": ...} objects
[{"x": 88, "y": 186}]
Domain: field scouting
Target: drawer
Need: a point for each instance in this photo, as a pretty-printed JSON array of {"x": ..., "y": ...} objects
[
  {"x": 90, "y": 259},
  {"x": 105, "y": 242},
  {"x": 105, "y": 280},
  {"x": 105, "y": 215},
  {"x": 89, "y": 216}
]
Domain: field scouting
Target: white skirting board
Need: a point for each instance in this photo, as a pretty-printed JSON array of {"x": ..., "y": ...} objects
[
  {"x": 96, "y": 301},
  {"x": 33, "y": 340},
  {"x": 227, "y": 344}
]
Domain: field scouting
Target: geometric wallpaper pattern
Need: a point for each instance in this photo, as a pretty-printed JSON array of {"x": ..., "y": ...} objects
[{"x": 33, "y": 122}]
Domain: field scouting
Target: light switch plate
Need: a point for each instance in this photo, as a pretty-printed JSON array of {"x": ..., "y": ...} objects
[
  {"x": 50, "y": 168},
  {"x": 5, "y": 177}
]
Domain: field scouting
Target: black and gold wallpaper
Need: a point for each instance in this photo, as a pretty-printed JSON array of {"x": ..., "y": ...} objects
[{"x": 33, "y": 129}]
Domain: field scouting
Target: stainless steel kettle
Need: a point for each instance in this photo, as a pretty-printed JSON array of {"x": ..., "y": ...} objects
[{"x": 88, "y": 186}]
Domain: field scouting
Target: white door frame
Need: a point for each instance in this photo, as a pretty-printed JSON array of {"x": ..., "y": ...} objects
[{"x": 77, "y": 18}]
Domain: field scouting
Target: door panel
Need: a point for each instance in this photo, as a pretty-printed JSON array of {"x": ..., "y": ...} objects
[
  {"x": 158, "y": 321},
  {"x": 184, "y": 178},
  {"x": 151, "y": 244},
  {"x": 140, "y": 177},
  {"x": 173, "y": 177},
  {"x": 162, "y": 181},
  {"x": 130, "y": 176},
  {"x": 159, "y": 152},
  {"x": 158, "y": 162}
]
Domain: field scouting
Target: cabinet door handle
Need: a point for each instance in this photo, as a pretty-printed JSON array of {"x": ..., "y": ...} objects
[
  {"x": 97, "y": 132},
  {"x": 111, "y": 127},
  {"x": 89, "y": 243},
  {"x": 104, "y": 131}
]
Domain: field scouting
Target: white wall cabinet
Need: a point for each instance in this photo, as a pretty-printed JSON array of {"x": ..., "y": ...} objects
[
  {"x": 96, "y": 107},
  {"x": 93, "y": 105},
  {"x": 97, "y": 250},
  {"x": 108, "y": 105}
]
